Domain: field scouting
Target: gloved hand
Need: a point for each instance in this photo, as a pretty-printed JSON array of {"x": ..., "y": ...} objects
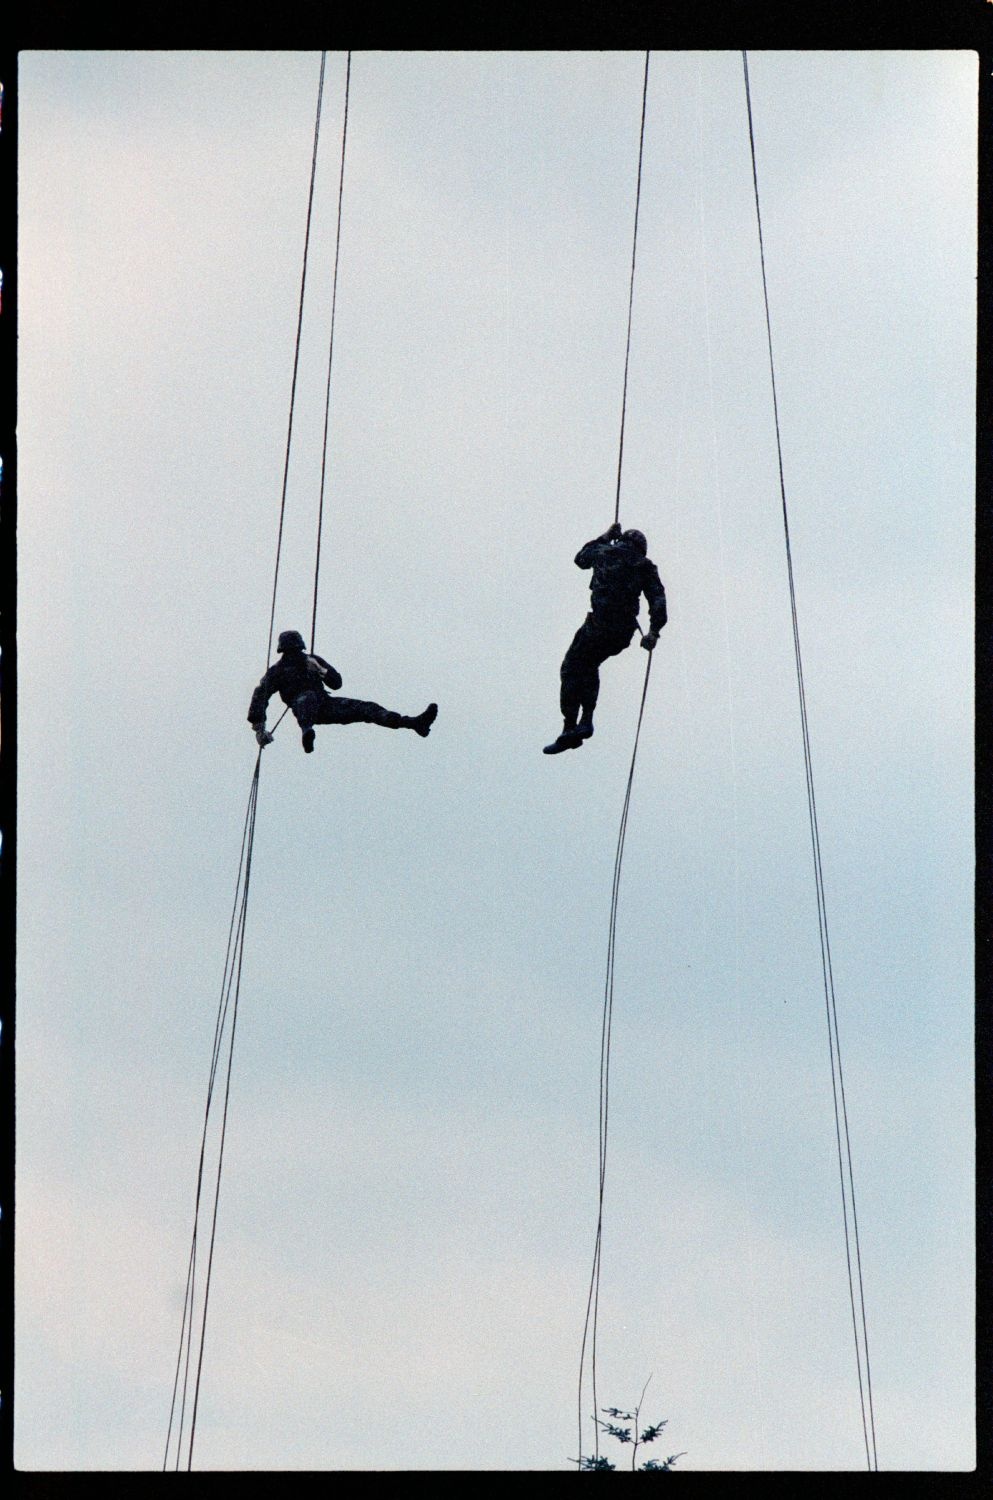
[
  {"x": 613, "y": 532},
  {"x": 262, "y": 734},
  {"x": 649, "y": 641}
]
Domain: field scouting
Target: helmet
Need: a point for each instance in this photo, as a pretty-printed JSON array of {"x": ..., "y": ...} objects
[
  {"x": 291, "y": 640},
  {"x": 636, "y": 539}
]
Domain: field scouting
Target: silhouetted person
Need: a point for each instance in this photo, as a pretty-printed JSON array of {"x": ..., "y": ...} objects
[
  {"x": 622, "y": 572},
  {"x": 301, "y": 681}
]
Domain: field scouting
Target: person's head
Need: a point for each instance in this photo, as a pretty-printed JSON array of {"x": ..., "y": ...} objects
[
  {"x": 290, "y": 640},
  {"x": 636, "y": 540}
]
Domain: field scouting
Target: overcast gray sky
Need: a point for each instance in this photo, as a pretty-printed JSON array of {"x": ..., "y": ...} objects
[{"x": 409, "y": 1195}]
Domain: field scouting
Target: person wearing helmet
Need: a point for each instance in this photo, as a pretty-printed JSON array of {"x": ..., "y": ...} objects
[
  {"x": 301, "y": 680},
  {"x": 622, "y": 572}
]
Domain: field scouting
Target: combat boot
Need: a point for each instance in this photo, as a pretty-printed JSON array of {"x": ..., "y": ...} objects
[
  {"x": 421, "y": 723},
  {"x": 308, "y": 740},
  {"x": 569, "y": 739}
]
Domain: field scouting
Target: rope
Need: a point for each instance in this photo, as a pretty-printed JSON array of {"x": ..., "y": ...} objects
[
  {"x": 191, "y": 1270},
  {"x": 296, "y": 357},
  {"x": 590, "y": 1324},
  {"x": 234, "y": 953},
  {"x": 593, "y": 1297},
  {"x": 327, "y": 398},
  {"x": 240, "y": 945},
  {"x": 236, "y": 932},
  {"x": 634, "y": 252},
  {"x": 834, "y": 1039}
]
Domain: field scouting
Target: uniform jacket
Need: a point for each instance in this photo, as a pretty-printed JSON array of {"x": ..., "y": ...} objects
[
  {"x": 294, "y": 673},
  {"x": 620, "y": 576}
]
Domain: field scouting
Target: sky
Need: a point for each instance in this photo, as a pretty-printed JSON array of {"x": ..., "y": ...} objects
[{"x": 410, "y": 1177}]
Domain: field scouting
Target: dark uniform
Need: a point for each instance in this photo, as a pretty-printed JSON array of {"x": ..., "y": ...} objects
[
  {"x": 621, "y": 574},
  {"x": 301, "y": 681}
]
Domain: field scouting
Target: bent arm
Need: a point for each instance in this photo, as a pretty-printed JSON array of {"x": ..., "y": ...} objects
[
  {"x": 332, "y": 677},
  {"x": 590, "y": 551},
  {"x": 260, "y": 700},
  {"x": 654, "y": 591}
]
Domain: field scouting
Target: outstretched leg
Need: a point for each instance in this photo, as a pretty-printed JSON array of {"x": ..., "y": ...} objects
[
  {"x": 357, "y": 711},
  {"x": 320, "y": 708}
]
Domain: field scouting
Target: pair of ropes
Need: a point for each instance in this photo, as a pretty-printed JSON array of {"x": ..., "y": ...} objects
[
  {"x": 296, "y": 352},
  {"x": 834, "y": 1040},
  {"x": 189, "y": 1364},
  {"x": 849, "y": 1213},
  {"x": 181, "y": 1443}
]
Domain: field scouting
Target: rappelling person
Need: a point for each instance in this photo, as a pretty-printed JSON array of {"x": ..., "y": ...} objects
[
  {"x": 302, "y": 680},
  {"x": 622, "y": 572}
]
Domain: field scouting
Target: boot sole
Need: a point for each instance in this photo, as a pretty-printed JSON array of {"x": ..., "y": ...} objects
[{"x": 564, "y": 742}]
